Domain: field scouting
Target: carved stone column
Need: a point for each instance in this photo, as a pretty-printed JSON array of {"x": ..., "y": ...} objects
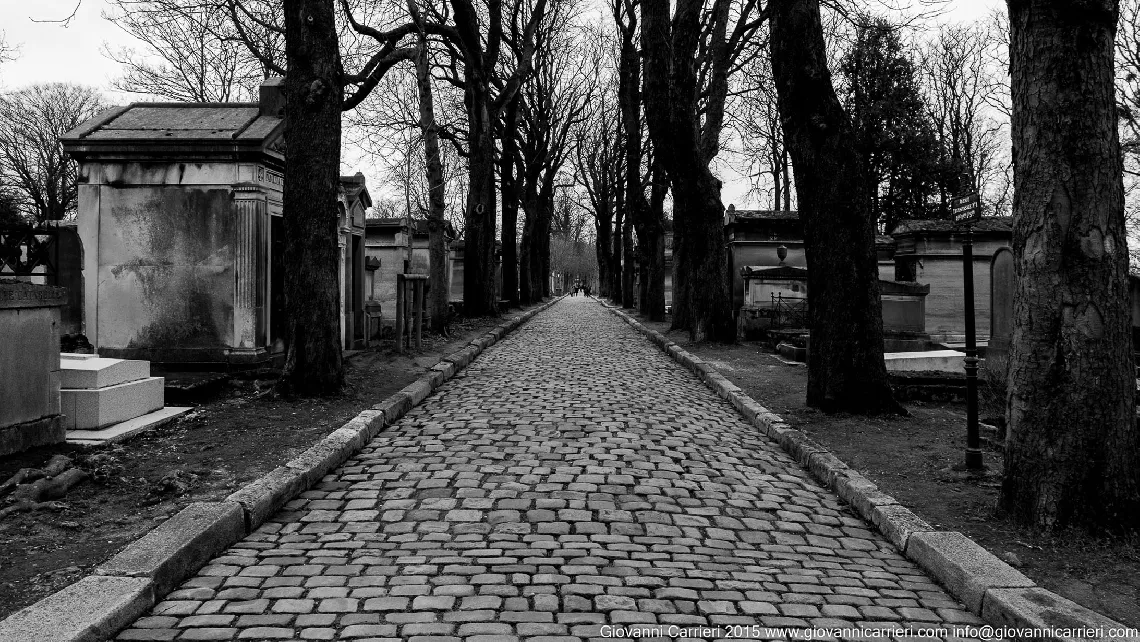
[{"x": 251, "y": 257}]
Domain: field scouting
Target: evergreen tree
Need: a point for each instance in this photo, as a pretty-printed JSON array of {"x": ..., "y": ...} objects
[{"x": 893, "y": 133}]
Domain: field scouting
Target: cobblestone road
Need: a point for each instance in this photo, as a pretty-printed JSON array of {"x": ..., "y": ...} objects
[{"x": 572, "y": 482}]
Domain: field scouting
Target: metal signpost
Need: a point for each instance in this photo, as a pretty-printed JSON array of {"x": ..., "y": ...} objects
[{"x": 967, "y": 209}]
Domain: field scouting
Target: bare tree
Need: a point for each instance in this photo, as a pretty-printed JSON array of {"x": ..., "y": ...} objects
[
  {"x": 1073, "y": 449},
  {"x": 598, "y": 169},
  {"x": 32, "y": 161},
  {"x": 552, "y": 107},
  {"x": 756, "y": 118},
  {"x": 317, "y": 89},
  {"x": 957, "y": 79},
  {"x": 191, "y": 51},
  {"x": 689, "y": 58},
  {"x": 1128, "y": 110},
  {"x": 846, "y": 371},
  {"x": 8, "y": 51}
]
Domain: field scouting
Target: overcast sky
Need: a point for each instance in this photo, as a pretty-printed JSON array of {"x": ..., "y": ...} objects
[{"x": 52, "y": 53}]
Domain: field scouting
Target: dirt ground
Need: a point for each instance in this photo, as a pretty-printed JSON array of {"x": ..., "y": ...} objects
[
  {"x": 910, "y": 458},
  {"x": 241, "y": 434}
]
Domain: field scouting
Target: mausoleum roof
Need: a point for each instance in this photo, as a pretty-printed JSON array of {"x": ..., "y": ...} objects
[
  {"x": 985, "y": 224},
  {"x": 767, "y": 215},
  {"x": 150, "y": 128}
]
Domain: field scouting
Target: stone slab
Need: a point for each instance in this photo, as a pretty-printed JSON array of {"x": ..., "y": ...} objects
[
  {"x": 90, "y": 610},
  {"x": 964, "y": 568},
  {"x": 1037, "y": 608},
  {"x": 96, "y": 409},
  {"x": 101, "y": 372},
  {"x": 180, "y": 545},
  {"x": 128, "y": 428},
  {"x": 933, "y": 361}
]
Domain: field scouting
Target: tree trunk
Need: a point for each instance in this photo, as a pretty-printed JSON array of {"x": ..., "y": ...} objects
[
  {"x": 617, "y": 255},
  {"x": 671, "y": 87},
  {"x": 543, "y": 274},
  {"x": 628, "y": 266},
  {"x": 655, "y": 243},
  {"x": 510, "y": 199},
  {"x": 1072, "y": 453},
  {"x": 479, "y": 220},
  {"x": 642, "y": 269},
  {"x": 313, "y": 360},
  {"x": 527, "y": 294},
  {"x": 437, "y": 227},
  {"x": 846, "y": 371},
  {"x": 603, "y": 249}
]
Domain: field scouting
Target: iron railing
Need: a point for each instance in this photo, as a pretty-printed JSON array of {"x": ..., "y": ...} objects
[
  {"x": 788, "y": 312},
  {"x": 29, "y": 251}
]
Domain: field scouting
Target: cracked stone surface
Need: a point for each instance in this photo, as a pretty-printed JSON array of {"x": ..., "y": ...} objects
[{"x": 573, "y": 483}]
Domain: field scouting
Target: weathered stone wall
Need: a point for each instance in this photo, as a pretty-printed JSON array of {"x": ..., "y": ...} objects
[
  {"x": 176, "y": 258},
  {"x": 945, "y": 306},
  {"x": 166, "y": 268}
]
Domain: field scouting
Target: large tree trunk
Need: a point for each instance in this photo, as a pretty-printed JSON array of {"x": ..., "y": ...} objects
[
  {"x": 603, "y": 249},
  {"x": 616, "y": 256},
  {"x": 671, "y": 87},
  {"x": 681, "y": 317},
  {"x": 846, "y": 371},
  {"x": 479, "y": 219},
  {"x": 628, "y": 267},
  {"x": 655, "y": 244},
  {"x": 543, "y": 260},
  {"x": 510, "y": 198},
  {"x": 527, "y": 294},
  {"x": 1073, "y": 453},
  {"x": 437, "y": 226},
  {"x": 313, "y": 362}
]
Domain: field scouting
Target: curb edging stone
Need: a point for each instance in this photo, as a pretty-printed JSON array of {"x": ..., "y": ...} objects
[
  {"x": 126, "y": 586},
  {"x": 990, "y": 588}
]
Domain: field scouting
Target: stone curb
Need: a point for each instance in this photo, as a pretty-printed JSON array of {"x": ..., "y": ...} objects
[
  {"x": 990, "y": 588},
  {"x": 123, "y": 588}
]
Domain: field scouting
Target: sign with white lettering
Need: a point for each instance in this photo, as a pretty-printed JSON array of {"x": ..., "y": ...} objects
[{"x": 966, "y": 209}]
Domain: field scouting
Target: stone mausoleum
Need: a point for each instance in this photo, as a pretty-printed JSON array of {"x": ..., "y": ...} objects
[
  {"x": 920, "y": 269},
  {"x": 930, "y": 252},
  {"x": 180, "y": 221}
]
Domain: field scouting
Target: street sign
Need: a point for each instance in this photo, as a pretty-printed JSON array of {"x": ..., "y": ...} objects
[{"x": 966, "y": 209}]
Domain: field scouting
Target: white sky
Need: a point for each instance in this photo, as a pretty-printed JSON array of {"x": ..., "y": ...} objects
[{"x": 52, "y": 53}]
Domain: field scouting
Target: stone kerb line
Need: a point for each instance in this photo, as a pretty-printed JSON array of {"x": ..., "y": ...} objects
[
  {"x": 989, "y": 587},
  {"x": 126, "y": 586}
]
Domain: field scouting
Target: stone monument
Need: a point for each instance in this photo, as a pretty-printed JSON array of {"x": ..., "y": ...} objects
[{"x": 29, "y": 365}]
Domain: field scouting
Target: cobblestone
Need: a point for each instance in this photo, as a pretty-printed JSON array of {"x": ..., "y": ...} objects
[{"x": 572, "y": 477}]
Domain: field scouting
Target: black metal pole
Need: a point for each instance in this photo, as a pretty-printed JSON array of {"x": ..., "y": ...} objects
[{"x": 973, "y": 439}]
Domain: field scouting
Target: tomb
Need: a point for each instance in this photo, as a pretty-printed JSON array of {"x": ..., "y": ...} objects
[
  {"x": 930, "y": 252},
  {"x": 180, "y": 221},
  {"x": 107, "y": 399},
  {"x": 753, "y": 237},
  {"x": 775, "y": 298}
]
